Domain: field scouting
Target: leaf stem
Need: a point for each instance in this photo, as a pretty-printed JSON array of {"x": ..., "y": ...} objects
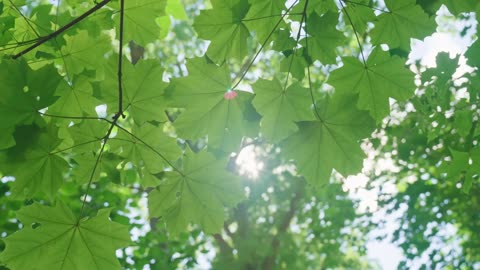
[
  {"x": 309, "y": 76},
  {"x": 304, "y": 14},
  {"x": 74, "y": 117},
  {"x": 354, "y": 32},
  {"x": 97, "y": 161}
]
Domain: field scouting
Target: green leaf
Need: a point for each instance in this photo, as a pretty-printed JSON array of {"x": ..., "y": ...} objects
[
  {"x": 281, "y": 108},
  {"x": 323, "y": 37},
  {"x": 155, "y": 152},
  {"x": 87, "y": 162},
  {"x": 140, "y": 24},
  {"x": 463, "y": 167},
  {"x": 404, "y": 21},
  {"x": 463, "y": 122},
  {"x": 458, "y": 6},
  {"x": 37, "y": 169},
  {"x": 6, "y": 138},
  {"x": 87, "y": 136},
  {"x": 282, "y": 41},
  {"x": 75, "y": 99},
  {"x": 61, "y": 242},
  {"x": 83, "y": 52},
  {"x": 331, "y": 142},
  {"x": 208, "y": 111},
  {"x": 223, "y": 26},
  {"x": 472, "y": 54},
  {"x": 382, "y": 77},
  {"x": 295, "y": 64},
  {"x": 143, "y": 90},
  {"x": 175, "y": 9},
  {"x": 25, "y": 92},
  {"x": 263, "y": 16},
  {"x": 459, "y": 164},
  {"x": 358, "y": 15},
  {"x": 319, "y": 6},
  {"x": 197, "y": 195}
]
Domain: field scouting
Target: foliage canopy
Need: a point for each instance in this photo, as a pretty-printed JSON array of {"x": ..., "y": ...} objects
[{"x": 116, "y": 112}]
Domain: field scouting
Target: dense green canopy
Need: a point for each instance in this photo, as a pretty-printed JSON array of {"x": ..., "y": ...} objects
[{"x": 187, "y": 134}]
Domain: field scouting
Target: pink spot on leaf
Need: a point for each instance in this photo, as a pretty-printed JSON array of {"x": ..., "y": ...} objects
[{"x": 230, "y": 95}]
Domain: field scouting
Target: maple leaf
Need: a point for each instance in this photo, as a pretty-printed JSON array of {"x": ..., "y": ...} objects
[
  {"x": 381, "y": 77},
  {"x": 59, "y": 241},
  {"x": 358, "y": 15},
  {"x": 281, "y": 108},
  {"x": 263, "y": 16},
  {"x": 323, "y": 37},
  {"x": 319, "y": 6},
  {"x": 333, "y": 140},
  {"x": 198, "y": 194},
  {"x": 208, "y": 111},
  {"x": 75, "y": 99},
  {"x": 143, "y": 90},
  {"x": 37, "y": 169},
  {"x": 155, "y": 152},
  {"x": 81, "y": 51},
  {"x": 223, "y": 26},
  {"x": 404, "y": 21},
  {"x": 85, "y": 163},
  {"x": 24, "y": 93},
  {"x": 87, "y": 135},
  {"x": 140, "y": 24}
]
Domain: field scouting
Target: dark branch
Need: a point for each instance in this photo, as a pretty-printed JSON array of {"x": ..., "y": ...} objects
[
  {"x": 225, "y": 249},
  {"x": 120, "y": 61}
]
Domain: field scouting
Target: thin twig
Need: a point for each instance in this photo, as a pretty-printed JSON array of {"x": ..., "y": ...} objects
[
  {"x": 76, "y": 145},
  {"x": 74, "y": 117}
]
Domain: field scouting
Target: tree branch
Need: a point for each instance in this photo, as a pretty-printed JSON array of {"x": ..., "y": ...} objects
[
  {"x": 120, "y": 61},
  {"x": 62, "y": 29},
  {"x": 225, "y": 249}
]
